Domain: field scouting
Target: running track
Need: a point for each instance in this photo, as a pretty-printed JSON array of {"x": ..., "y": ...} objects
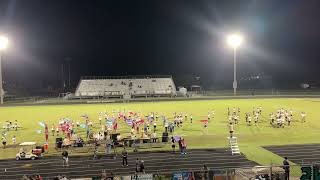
[
  {"x": 298, "y": 154},
  {"x": 155, "y": 162}
]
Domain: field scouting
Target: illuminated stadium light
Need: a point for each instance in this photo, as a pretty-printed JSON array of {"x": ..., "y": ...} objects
[
  {"x": 3, "y": 45},
  {"x": 235, "y": 40},
  {"x": 3, "y": 42}
]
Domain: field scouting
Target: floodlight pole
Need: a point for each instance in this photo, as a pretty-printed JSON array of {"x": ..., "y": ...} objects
[
  {"x": 235, "y": 71},
  {"x": 1, "y": 88}
]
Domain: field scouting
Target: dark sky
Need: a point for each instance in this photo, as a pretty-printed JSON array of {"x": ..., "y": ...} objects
[{"x": 178, "y": 37}]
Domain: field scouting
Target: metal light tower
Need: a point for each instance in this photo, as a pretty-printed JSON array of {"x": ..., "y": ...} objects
[
  {"x": 234, "y": 40},
  {"x": 3, "y": 45}
]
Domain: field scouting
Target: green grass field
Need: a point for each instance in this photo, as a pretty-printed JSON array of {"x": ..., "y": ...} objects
[{"x": 250, "y": 138}]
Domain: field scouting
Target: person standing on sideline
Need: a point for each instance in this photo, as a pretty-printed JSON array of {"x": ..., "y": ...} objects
[
  {"x": 137, "y": 165},
  {"x": 205, "y": 171},
  {"x": 180, "y": 145},
  {"x": 65, "y": 159},
  {"x": 173, "y": 144},
  {"x": 95, "y": 151},
  {"x": 184, "y": 146},
  {"x": 286, "y": 167},
  {"x": 142, "y": 166},
  {"x": 124, "y": 157}
]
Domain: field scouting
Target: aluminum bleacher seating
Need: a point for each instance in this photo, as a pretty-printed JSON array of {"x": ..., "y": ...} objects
[{"x": 120, "y": 86}]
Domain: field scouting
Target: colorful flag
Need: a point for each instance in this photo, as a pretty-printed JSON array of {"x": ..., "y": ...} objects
[
  {"x": 204, "y": 121},
  {"x": 139, "y": 122},
  {"x": 129, "y": 122},
  {"x": 177, "y": 138},
  {"x": 42, "y": 124},
  {"x": 38, "y": 131}
]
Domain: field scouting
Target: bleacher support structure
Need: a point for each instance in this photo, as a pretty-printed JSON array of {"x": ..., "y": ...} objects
[{"x": 126, "y": 87}]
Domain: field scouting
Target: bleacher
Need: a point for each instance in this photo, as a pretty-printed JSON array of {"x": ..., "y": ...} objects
[{"x": 126, "y": 86}]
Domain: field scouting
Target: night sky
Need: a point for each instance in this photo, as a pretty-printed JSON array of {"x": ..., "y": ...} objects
[{"x": 178, "y": 37}]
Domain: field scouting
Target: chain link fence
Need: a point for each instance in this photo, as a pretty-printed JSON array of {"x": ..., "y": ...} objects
[{"x": 274, "y": 172}]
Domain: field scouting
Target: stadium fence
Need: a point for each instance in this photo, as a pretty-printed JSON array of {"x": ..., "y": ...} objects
[{"x": 272, "y": 172}]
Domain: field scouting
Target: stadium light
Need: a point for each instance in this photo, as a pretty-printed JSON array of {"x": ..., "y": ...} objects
[
  {"x": 3, "y": 42},
  {"x": 235, "y": 40},
  {"x": 3, "y": 45}
]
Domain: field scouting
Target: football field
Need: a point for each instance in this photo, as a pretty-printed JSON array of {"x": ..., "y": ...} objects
[{"x": 250, "y": 138}]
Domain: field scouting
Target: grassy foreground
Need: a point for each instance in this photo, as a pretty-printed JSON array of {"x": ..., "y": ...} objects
[{"x": 250, "y": 138}]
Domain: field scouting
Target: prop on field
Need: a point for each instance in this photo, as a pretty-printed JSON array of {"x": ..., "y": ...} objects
[
  {"x": 38, "y": 131},
  {"x": 42, "y": 124},
  {"x": 129, "y": 122},
  {"x": 83, "y": 126}
]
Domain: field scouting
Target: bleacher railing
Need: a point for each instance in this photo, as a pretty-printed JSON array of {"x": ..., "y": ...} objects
[{"x": 127, "y": 77}]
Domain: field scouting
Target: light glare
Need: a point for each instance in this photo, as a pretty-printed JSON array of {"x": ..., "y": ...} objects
[
  {"x": 3, "y": 42},
  {"x": 234, "y": 40}
]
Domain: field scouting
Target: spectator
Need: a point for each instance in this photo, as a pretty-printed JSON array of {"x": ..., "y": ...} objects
[
  {"x": 184, "y": 146},
  {"x": 124, "y": 157},
  {"x": 142, "y": 166},
  {"x": 137, "y": 165},
  {"x": 65, "y": 159},
  {"x": 180, "y": 145},
  {"x": 108, "y": 146},
  {"x": 286, "y": 167},
  {"x": 95, "y": 152},
  {"x": 38, "y": 177},
  {"x": 205, "y": 172},
  {"x": 173, "y": 144}
]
